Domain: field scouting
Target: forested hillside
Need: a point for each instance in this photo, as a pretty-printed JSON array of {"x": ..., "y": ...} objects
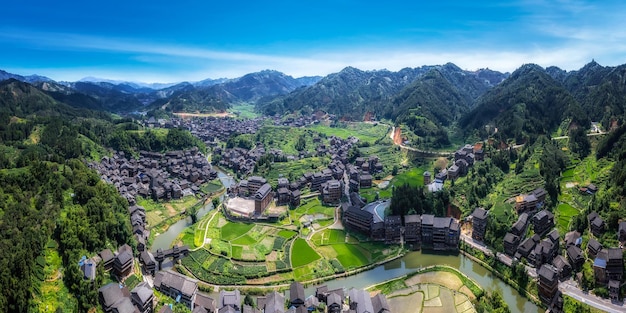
[{"x": 49, "y": 198}]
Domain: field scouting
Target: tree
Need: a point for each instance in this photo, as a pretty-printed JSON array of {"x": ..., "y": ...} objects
[
  {"x": 247, "y": 300},
  {"x": 579, "y": 142},
  {"x": 301, "y": 143},
  {"x": 191, "y": 212},
  {"x": 215, "y": 201}
]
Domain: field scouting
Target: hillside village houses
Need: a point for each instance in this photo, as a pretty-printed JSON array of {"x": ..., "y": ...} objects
[
  {"x": 154, "y": 175},
  {"x": 329, "y": 183},
  {"x": 183, "y": 289}
]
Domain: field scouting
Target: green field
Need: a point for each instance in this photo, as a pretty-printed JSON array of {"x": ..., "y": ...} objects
[
  {"x": 329, "y": 237},
  {"x": 53, "y": 293},
  {"x": 212, "y": 186},
  {"x": 350, "y": 256},
  {"x": 370, "y": 194},
  {"x": 364, "y": 131},
  {"x": 295, "y": 169},
  {"x": 244, "y": 110},
  {"x": 237, "y": 252},
  {"x": 389, "y": 155},
  {"x": 231, "y": 231},
  {"x": 302, "y": 253},
  {"x": 565, "y": 213},
  {"x": 286, "y": 233},
  {"x": 413, "y": 177},
  {"x": 244, "y": 240}
]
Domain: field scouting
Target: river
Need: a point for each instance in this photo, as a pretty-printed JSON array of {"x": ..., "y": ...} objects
[
  {"x": 416, "y": 260},
  {"x": 407, "y": 264}
]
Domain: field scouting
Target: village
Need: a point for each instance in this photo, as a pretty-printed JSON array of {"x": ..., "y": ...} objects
[{"x": 177, "y": 174}]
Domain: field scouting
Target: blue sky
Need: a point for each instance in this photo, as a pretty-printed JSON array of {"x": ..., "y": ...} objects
[{"x": 186, "y": 40}]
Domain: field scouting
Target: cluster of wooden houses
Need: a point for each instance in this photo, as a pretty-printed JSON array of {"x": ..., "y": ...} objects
[
  {"x": 329, "y": 183},
  {"x": 300, "y": 121},
  {"x": 154, "y": 175},
  {"x": 210, "y": 129},
  {"x": 119, "y": 263},
  {"x": 464, "y": 158},
  {"x": 182, "y": 289},
  {"x": 117, "y": 298},
  {"x": 418, "y": 231}
]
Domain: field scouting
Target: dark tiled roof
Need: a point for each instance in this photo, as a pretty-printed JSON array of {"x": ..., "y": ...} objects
[
  {"x": 480, "y": 213},
  {"x": 379, "y": 302},
  {"x": 413, "y": 218},
  {"x": 296, "y": 292},
  {"x": 428, "y": 219},
  {"x": 142, "y": 292},
  {"x": 547, "y": 272}
]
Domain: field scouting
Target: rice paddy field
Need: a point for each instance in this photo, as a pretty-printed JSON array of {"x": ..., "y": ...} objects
[
  {"x": 228, "y": 252},
  {"x": 441, "y": 289},
  {"x": 302, "y": 253}
]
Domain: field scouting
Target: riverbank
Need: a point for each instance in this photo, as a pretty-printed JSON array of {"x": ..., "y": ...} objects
[{"x": 509, "y": 281}]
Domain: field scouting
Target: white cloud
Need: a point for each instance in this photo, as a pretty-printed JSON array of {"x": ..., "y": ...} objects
[{"x": 157, "y": 62}]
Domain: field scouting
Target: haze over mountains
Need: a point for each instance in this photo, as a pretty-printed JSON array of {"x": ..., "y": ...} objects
[{"x": 429, "y": 100}]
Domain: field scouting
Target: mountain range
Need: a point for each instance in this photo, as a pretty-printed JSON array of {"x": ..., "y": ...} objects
[{"x": 431, "y": 101}]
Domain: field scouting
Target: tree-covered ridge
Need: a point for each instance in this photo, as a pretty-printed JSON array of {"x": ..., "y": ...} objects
[
  {"x": 529, "y": 103},
  {"x": 35, "y": 208},
  {"x": 49, "y": 198},
  {"x": 352, "y": 93}
]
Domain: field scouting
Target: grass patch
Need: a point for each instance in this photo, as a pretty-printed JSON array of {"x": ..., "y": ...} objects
[
  {"x": 212, "y": 186},
  {"x": 187, "y": 237},
  {"x": 132, "y": 281},
  {"x": 53, "y": 293},
  {"x": 413, "y": 177},
  {"x": 231, "y": 231},
  {"x": 350, "y": 256},
  {"x": 286, "y": 233},
  {"x": 366, "y": 132},
  {"x": 370, "y": 194},
  {"x": 302, "y": 253},
  {"x": 329, "y": 237},
  {"x": 244, "y": 110},
  {"x": 237, "y": 252},
  {"x": 565, "y": 213},
  {"x": 244, "y": 240}
]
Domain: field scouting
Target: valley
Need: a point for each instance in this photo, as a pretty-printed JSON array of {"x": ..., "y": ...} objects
[{"x": 256, "y": 182}]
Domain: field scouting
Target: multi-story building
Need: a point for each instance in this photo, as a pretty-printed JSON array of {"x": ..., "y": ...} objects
[
  {"x": 542, "y": 222},
  {"x": 548, "y": 283},
  {"x": 176, "y": 286},
  {"x": 428, "y": 221},
  {"x": 413, "y": 229},
  {"x": 511, "y": 241},
  {"x": 254, "y": 183},
  {"x": 358, "y": 219},
  {"x": 479, "y": 223},
  {"x": 393, "y": 228},
  {"x": 331, "y": 192},
  {"x": 262, "y": 198}
]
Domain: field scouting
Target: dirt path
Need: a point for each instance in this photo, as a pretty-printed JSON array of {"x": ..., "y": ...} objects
[
  {"x": 206, "y": 228},
  {"x": 396, "y": 136}
]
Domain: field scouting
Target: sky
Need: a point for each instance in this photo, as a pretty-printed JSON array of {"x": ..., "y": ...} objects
[{"x": 192, "y": 40}]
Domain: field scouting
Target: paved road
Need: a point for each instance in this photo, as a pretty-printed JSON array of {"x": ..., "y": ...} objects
[
  {"x": 588, "y": 135},
  {"x": 570, "y": 288}
]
